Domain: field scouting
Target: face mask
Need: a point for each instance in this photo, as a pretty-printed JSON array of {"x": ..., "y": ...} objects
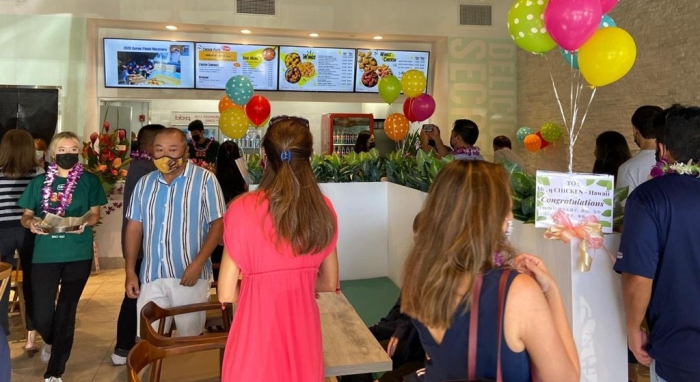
[
  {"x": 371, "y": 145},
  {"x": 39, "y": 154},
  {"x": 66, "y": 161},
  {"x": 162, "y": 164},
  {"x": 509, "y": 229}
]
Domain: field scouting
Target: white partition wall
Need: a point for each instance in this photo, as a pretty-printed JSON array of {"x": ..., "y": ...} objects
[
  {"x": 593, "y": 301},
  {"x": 403, "y": 204}
]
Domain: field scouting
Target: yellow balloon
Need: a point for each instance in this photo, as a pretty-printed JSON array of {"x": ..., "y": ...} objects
[
  {"x": 413, "y": 83},
  {"x": 233, "y": 122},
  {"x": 607, "y": 56}
]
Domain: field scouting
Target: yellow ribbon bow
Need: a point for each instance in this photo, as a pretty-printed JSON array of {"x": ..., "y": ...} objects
[{"x": 589, "y": 232}]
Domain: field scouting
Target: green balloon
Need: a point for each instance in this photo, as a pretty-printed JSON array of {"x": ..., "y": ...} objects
[
  {"x": 551, "y": 132},
  {"x": 389, "y": 89},
  {"x": 526, "y": 26}
]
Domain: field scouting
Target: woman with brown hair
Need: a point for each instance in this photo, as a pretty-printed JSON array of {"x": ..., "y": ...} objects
[
  {"x": 282, "y": 239},
  {"x": 17, "y": 168},
  {"x": 462, "y": 242}
]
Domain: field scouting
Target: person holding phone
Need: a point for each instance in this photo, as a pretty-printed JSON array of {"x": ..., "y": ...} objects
[
  {"x": 60, "y": 259},
  {"x": 462, "y": 140}
]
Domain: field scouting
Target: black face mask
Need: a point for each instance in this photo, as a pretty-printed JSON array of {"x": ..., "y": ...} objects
[
  {"x": 66, "y": 161},
  {"x": 371, "y": 145}
]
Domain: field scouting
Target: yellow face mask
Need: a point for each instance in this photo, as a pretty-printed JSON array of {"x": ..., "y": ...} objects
[{"x": 163, "y": 164}]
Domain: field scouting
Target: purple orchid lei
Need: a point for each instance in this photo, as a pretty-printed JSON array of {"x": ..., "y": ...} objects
[
  {"x": 66, "y": 197},
  {"x": 142, "y": 155},
  {"x": 469, "y": 151},
  {"x": 662, "y": 168}
]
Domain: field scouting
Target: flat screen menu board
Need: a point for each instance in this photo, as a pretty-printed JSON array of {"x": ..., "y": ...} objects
[
  {"x": 216, "y": 63},
  {"x": 316, "y": 69},
  {"x": 148, "y": 64},
  {"x": 373, "y": 64}
]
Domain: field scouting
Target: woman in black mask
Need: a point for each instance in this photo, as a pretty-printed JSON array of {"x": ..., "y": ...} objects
[
  {"x": 365, "y": 142},
  {"x": 64, "y": 259}
]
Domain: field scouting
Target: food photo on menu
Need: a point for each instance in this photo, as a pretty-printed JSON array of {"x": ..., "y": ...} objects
[
  {"x": 373, "y": 65},
  {"x": 316, "y": 69}
]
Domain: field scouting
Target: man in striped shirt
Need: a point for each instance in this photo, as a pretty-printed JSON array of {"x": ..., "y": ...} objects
[{"x": 176, "y": 212}]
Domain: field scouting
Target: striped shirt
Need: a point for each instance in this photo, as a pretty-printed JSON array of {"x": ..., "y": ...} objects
[
  {"x": 10, "y": 191},
  {"x": 176, "y": 218}
]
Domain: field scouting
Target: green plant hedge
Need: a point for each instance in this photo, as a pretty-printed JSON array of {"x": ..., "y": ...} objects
[{"x": 417, "y": 169}]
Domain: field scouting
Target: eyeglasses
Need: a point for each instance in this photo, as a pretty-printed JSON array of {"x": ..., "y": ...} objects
[{"x": 280, "y": 118}]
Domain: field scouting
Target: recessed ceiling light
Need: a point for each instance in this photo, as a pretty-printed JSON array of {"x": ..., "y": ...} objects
[
  {"x": 313, "y": 34},
  {"x": 378, "y": 37},
  {"x": 171, "y": 27},
  {"x": 246, "y": 31}
]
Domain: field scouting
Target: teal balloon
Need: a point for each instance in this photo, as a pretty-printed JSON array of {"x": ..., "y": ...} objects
[
  {"x": 239, "y": 89},
  {"x": 522, "y": 133},
  {"x": 571, "y": 58},
  {"x": 389, "y": 89}
]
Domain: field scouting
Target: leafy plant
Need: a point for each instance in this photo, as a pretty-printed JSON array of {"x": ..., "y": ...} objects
[
  {"x": 255, "y": 168},
  {"x": 366, "y": 167},
  {"x": 417, "y": 172}
]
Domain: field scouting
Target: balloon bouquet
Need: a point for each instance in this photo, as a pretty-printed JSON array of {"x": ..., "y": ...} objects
[
  {"x": 418, "y": 106},
  {"x": 590, "y": 41},
  {"x": 533, "y": 142},
  {"x": 240, "y": 109}
]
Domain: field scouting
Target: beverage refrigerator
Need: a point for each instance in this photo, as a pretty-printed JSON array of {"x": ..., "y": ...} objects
[{"x": 339, "y": 131}]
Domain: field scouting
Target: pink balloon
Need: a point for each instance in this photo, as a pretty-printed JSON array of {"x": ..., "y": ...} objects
[
  {"x": 423, "y": 107},
  {"x": 571, "y": 23},
  {"x": 608, "y": 5}
]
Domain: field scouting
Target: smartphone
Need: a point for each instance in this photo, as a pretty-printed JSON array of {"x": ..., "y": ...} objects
[{"x": 428, "y": 127}]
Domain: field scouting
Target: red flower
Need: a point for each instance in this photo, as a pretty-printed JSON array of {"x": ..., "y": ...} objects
[
  {"x": 106, "y": 126},
  {"x": 93, "y": 137},
  {"x": 114, "y": 172},
  {"x": 122, "y": 134}
]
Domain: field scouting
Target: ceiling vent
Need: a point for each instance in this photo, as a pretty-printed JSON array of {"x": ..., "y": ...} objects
[
  {"x": 475, "y": 15},
  {"x": 256, "y": 7}
]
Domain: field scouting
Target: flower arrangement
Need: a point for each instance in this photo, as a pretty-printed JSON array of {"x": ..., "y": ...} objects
[
  {"x": 662, "y": 168},
  {"x": 107, "y": 156}
]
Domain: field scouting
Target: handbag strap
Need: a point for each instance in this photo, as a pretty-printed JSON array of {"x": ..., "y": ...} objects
[
  {"x": 474, "y": 326},
  {"x": 474, "y": 323}
]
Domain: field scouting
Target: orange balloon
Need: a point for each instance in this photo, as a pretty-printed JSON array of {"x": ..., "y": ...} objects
[
  {"x": 225, "y": 104},
  {"x": 396, "y": 126},
  {"x": 532, "y": 143}
]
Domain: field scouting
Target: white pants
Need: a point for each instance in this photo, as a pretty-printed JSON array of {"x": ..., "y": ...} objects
[{"x": 168, "y": 293}]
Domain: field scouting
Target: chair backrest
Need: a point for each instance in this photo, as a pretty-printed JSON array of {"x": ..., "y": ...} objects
[
  {"x": 144, "y": 353},
  {"x": 5, "y": 273},
  {"x": 151, "y": 313}
]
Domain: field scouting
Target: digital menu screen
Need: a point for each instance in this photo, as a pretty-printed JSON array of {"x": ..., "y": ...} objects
[
  {"x": 373, "y": 64},
  {"x": 316, "y": 69},
  {"x": 148, "y": 64},
  {"x": 216, "y": 63}
]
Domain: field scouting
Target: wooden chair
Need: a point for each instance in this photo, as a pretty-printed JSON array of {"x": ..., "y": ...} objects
[
  {"x": 16, "y": 283},
  {"x": 151, "y": 313},
  {"x": 5, "y": 274},
  {"x": 144, "y": 354}
]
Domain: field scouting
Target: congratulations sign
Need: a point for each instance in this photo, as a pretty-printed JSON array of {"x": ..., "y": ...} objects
[{"x": 582, "y": 198}]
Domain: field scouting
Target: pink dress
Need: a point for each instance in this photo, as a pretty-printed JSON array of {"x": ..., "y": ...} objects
[{"x": 276, "y": 331}]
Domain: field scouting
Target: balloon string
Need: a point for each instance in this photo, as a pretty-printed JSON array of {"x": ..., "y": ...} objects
[
  {"x": 585, "y": 114},
  {"x": 571, "y": 96},
  {"x": 556, "y": 93}
]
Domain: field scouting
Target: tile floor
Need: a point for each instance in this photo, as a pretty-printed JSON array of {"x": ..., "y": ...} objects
[{"x": 96, "y": 332}]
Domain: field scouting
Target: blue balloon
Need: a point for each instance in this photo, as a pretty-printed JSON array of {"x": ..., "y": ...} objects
[
  {"x": 572, "y": 59},
  {"x": 607, "y": 22},
  {"x": 239, "y": 89},
  {"x": 522, "y": 133}
]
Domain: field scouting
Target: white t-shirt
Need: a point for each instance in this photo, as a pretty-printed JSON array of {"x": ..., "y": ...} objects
[
  {"x": 636, "y": 170},
  {"x": 507, "y": 155}
]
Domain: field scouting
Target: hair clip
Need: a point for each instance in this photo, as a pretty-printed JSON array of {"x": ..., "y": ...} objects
[{"x": 286, "y": 156}]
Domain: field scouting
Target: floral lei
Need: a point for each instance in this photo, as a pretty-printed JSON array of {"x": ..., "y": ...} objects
[
  {"x": 469, "y": 151},
  {"x": 205, "y": 148},
  {"x": 662, "y": 168},
  {"x": 65, "y": 198},
  {"x": 143, "y": 155}
]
